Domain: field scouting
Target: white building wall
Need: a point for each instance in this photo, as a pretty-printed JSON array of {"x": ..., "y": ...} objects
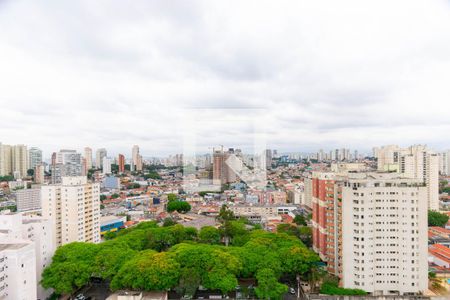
[
  {"x": 384, "y": 239},
  {"x": 17, "y": 270}
]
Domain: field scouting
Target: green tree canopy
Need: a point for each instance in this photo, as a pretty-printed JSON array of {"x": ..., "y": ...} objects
[
  {"x": 437, "y": 219},
  {"x": 268, "y": 285},
  {"x": 179, "y": 206},
  {"x": 209, "y": 235}
]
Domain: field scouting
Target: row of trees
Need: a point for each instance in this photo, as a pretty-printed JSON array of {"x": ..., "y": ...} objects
[{"x": 148, "y": 257}]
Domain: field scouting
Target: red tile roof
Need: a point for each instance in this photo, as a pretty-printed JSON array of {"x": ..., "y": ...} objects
[{"x": 440, "y": 251}]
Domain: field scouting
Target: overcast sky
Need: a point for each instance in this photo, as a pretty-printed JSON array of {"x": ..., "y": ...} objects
[{"x": 307, "y": 74}]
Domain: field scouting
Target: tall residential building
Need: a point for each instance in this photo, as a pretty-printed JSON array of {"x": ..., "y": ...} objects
[
  {"x": 88, "y": 157},
  {"x": 99, "y": 157},
  {"x": 68, "y": 164},
  {"x": 416, "y": 161},
  {"x": 13, "y": 160},
  {"x": 136, "y": 158},
  {"x": 268, "y": 158},
  {"x": 106, "y": 169},
  {"x": 444, "y": 162},
  {"x": 35, "y": 156},
  {"x": 371, "y": 230},
  {"x": 121, "y": 163},
  {"x": 135, "y": 154},
  {"x": 222, "y": 173},
  {"x": 53, "y": 158},
  {"x": 20, "y": 160},
  {"x": 39, "y": 174},
  {"x": 37, "y": 232},
  {"x": 74, "y": 210}
]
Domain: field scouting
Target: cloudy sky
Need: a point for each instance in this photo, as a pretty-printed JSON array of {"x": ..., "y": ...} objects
[{"x": 306, "y": 74}]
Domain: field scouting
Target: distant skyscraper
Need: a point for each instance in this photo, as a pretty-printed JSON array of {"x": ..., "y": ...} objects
[
  {"x": 444, "y": 162},
  {"x": 268, "y": 158},
  {"x": 416, "y": 161},
  {"x": 136, "y": 158},
  {"x": 20, "y": 160},
  {"x": 54, "y": 158},
  {"x": 35, "y": 156},
  {"x": 39, "y": 174},
  {"x": 99, "y": 157},
  {"x": 222, "y": 173},
  {"x": 121, "y": 163},
  {"x": 88, "y": 157},
  {"x": 106, "y": 168}
]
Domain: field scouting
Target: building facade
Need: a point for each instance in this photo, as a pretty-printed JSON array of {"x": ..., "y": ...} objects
[
  {"x": 371, "y": 230},
  {"x": 74, "y": 209}
]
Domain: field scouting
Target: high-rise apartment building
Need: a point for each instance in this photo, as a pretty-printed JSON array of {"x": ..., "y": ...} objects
[
  {"x": 35, "y": 156},
  {"x": 20, "y": 160},
  {"x": 371, "y": 230},
  {"x": 268, "y": 159},
  {"x": 106, "y": 169},
  {"x": 88, "y": 157},
  {"x": 14, "y": 160},
  {"x": 121, "y": 163},
  {"x": 136, "y": 158},
  {"x": 135, "y": 154},
  {"x": 35, "y": 231},
  {"x": 74, "y": 210},
  {"x": 39, "y": 174},
  {"x": 99, "y": 157},
  {"x": 222, "y": 173},
  {"x": 416, "y": 161},
  {"x": 444, "y": 162}
]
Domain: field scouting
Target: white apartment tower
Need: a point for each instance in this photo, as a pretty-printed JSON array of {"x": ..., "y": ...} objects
[
  {"x": 106, "y": 169},
  {"x": 13, "y": 160},
  {"x": 35, "y": 157},
  {"x": 384, "y": 235},
  {"x": 74, "y": 209},
  {"x": 99, "y": 157},
  {"x": 26, "y": 233},
  {"x": 371, "y": 230},
  {"x": 444, "y": 162},
  {"x": 88, "y": 157},
  {"x": 416, "y": 161}
]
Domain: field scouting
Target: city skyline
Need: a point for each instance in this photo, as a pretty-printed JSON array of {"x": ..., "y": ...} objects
[{"x": 370, "y": 80}]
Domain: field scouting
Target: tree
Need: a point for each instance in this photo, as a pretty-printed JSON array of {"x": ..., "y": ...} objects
[
  {"x": 168, "y": 222},
  {"x": 30, "y": 172},
  {"x": 330, "y": 286},
  {"x": 225, "y": 214},
  {"x": 287, "y": 228},
  {"x": 148, "y": 271},
  {"x": 172, "y": 197},
  {"x": 110, "y": 258},
  {"x": 115, "y": 196},
  {"x": 179, "y": 206},
  {"x": 437, "y": 219},
  {"x": 209, "y": 235},
  {"x": 6, "y": 178},
  {"x": 305, "y": 235},
  {"x": 71, "y": 267},
  {"x": 300, "y": 220},
  {"x": 102, "y": 197},
  {"x": 268, "y": 285}
]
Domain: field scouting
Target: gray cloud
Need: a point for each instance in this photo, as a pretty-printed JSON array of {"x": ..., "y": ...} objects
[{"x": 322, "y": 74}]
